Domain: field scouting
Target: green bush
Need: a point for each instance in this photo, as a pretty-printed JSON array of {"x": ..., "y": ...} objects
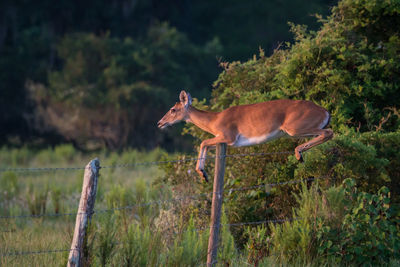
[
  {"x": 369, "y": 232},
  {"x": 369, "y": 158},
  {"x": 256, "y": 247},
  {"x": 132, "y": 81},
  {"x": 341, "y": 225},
  {"x": 12, "y": 157},
  {"x": 66, "y": 152},
  {"x": 349, "y": 66}
]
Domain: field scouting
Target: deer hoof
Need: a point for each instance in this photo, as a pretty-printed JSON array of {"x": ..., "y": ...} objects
[
  {"x": 299, "y": 157},
  {"x": 203, "y": 175}
]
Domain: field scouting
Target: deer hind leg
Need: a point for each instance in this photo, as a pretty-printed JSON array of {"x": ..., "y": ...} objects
[
  {"x": 204, "y": 146},
  {"x": 322, "y": 135}
]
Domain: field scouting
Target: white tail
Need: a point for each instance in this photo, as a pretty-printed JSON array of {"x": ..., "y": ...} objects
[{"x": 253, "y": 124}]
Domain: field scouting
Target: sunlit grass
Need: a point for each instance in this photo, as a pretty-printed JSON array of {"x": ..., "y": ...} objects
[{"x": 57, "y": 192}]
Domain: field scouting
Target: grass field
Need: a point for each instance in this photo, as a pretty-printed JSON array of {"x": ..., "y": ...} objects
[
  {"x": 144, "y": 234},
  {"x": 58, "y": 191}
]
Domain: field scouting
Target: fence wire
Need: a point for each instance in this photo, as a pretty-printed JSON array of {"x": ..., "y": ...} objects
[
  {"x": 22, "y": 170},
  {"x": 128, "y": 165},
  {"x": 24, "y": 253},
  {"x": 160, "y": 202}
]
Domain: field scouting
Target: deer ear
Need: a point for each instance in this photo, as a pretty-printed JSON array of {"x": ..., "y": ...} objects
[{"x": 185, "y": 99}]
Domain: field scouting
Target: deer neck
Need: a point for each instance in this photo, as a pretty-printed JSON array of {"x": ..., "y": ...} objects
[{"x": 202, "y": 119}]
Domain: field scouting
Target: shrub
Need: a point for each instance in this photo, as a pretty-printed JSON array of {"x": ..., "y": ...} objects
[
  {"x": 140, "y": 247},
  {"x": 65, "y": 152},
  {"x": 341, "y": 225},
  {"x": 350, "y": 66},
  {"x": 369, "y": 232},
  {"x": 189, "y": 249},
  {"x": 369, "y": 158}
]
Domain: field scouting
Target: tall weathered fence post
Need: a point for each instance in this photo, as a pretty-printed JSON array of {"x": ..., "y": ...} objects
[
  {"x": 216, "y": 204},
  {"x": 85, "y": 212}
]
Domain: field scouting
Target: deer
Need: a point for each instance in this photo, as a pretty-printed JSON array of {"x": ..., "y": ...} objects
[{"x": 253, "y": 124}]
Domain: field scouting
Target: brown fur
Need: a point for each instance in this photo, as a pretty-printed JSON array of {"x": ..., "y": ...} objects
[{"x": 251, "y": 124}]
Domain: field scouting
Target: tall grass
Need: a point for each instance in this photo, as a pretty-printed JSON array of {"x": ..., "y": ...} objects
[
  {"x": 137, "y": 235},
  {"x": 43, "y": 192},
  {"x": 140, "y": 225}
]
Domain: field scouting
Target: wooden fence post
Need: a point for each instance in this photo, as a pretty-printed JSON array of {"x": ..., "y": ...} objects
[
  {"x": 85, "y": 211},
  {"x": 216, "y": 206}
]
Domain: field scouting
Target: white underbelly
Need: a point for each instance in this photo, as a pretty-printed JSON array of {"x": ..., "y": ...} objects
[{"x": 255, "y": 140}]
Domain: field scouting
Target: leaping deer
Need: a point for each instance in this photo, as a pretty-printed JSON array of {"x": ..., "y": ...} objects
[{"x": 253, "y": 124}]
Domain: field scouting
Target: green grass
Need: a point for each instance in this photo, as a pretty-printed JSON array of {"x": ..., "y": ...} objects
[
  {"x": 144, "y": 235},
  {"x": 52, "y": 192},
  {"x": 164, "y": 234}
]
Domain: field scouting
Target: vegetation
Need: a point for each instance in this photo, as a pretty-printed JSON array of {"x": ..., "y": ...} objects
[
  {"x": 339, "y": 208},
  {"x": 143, "y": 234},
  {"x": 63, "y": 64},
  {"x": 350, "y": 67}
]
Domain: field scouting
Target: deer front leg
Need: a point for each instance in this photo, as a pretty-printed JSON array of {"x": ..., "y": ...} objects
[
  {"x": 201, "y": 162},
  {"x": 203, "y": 154}
]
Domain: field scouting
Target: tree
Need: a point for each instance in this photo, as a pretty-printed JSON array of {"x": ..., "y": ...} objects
[
  {"x": 350, "y": 66},
  {"x": 129, "y": 81}
]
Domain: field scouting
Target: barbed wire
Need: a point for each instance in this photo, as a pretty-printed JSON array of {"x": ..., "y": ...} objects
[
  {"x": 160, "y": 202},
  {"x": 52, "y": 169},
  {"x": 40, "y": 215},
  {"x": 24, "y": 253},
  {"x": 41, "y": 169},
  {"x": 276, "y": 184},
  {"x": 21, "y": 253},
  {"x": 260, "y": 222}
]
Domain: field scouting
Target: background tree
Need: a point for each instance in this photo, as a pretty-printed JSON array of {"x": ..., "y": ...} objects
[{"x": 45, "y": 44}]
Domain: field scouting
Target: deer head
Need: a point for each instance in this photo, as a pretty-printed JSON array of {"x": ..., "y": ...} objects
[{"x": 178, "y": 112}]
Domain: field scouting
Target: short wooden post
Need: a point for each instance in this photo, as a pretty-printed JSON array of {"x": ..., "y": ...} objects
[
  {"x": 216, "y": 204},
  {"x": 85, "y": 212}
]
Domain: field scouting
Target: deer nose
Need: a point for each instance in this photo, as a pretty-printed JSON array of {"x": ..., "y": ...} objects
[{"x": 159, "y": 124}]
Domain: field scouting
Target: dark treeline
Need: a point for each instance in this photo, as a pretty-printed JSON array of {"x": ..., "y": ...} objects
[{"x": 100, "y": 73}]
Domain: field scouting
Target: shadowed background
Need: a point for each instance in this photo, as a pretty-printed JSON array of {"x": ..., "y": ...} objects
[{"x": 100, "y": 73}]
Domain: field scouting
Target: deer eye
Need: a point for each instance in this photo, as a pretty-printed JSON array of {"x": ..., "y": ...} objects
[{"x": 173, "y": 110}]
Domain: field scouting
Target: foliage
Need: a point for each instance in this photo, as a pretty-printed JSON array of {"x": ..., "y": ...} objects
[
  {"x": 350, "y": 66},
  {"x": 368, "y": 233},
  {"x": 68, "y": 46},
  {"x": 140, "y": 247},
  {"x": 369, "y": 158},
  {"x": 131, "y": 80},
  {"x": 339, "y": 224},
  {"x": 256, "y": 246},
  {"x": 106, "y": 245},
  {"x": 187, "y": 250}
]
